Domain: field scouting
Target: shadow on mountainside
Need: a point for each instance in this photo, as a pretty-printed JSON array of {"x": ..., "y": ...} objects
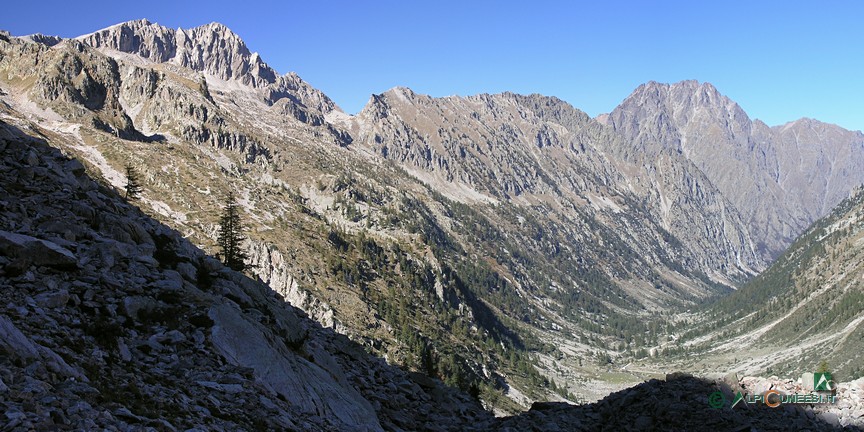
[
  {"x": 112, "y": 319},
  {"x": 681, "y": 403}
]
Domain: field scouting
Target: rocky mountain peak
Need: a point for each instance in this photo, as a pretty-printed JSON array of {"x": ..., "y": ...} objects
[
  {"x": 149, "y": 40},
  {"x": 660, "y": 116},
  {"x": 816, "y": 126},
  {"x": 216, "y": 35},
  {"x": 402, "y": 94},
  {"x": 218, "y": 27},
  {"x": 704, "y": 126},
  {"x": 143, "y": 22},
  {"x": 215, "y": 49},
  {"x": 681, "y": 99},
  {"x": 212, "y": 49},
  {"x": 43, "y": 39},
  {"x": 380, "y": 105}
]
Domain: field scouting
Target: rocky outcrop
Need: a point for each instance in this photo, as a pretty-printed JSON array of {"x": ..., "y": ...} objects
[
  {"x": 27, "y": 251},
  {"x": 302, "y": 383},
  {"x": 213, "y": 49},
  {"x": 270, "y": 266},
  {"x": 22, "y": 349},
  {"x": 114, "y": 321},
  {"x": 70, "y": 80},
  {"x": 846, "y": 410},
  {"x": 44, "y": 39}
]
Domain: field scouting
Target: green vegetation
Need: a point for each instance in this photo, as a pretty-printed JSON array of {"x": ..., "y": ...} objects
[
  {"x": 426, "y": 308},
  {"x": 231, "y": 236},
  {"x": 815, "y": 287}
]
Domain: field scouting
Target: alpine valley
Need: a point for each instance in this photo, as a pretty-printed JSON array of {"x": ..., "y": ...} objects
[{"x": 426, "y": 264}]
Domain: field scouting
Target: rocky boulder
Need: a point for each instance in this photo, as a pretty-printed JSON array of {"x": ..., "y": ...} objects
[{"x": 27, "y": 251}]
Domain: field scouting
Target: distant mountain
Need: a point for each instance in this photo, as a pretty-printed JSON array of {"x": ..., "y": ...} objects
[
  {"x": 536, "y": 151},
  {"x": 779, "y": 179},
  {"x": 509, "y": 245}
]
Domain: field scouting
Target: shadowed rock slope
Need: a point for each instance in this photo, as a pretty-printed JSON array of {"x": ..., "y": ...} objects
[{"x": 110, "y": 319}]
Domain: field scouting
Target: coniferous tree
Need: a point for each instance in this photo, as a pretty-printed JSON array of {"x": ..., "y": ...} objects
[
  {"x": 133, "y": 183},
  {"x": 231, "y": 236}
]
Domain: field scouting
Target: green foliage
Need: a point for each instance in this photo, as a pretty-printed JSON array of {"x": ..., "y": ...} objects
[
  {"x": 231, "y": 236},
  {"x": 426, "y": 307}
]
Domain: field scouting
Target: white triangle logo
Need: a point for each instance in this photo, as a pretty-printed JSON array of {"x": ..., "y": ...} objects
[{"x": 827, "y": 385}]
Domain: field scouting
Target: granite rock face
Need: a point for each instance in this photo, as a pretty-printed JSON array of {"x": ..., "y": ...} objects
[
  {"x": 70, "y": 80},
  {"x": 536, "y": 150},
  {"x": 271, "y": 267}
]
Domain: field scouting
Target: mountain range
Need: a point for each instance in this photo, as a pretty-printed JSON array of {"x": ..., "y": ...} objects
[{"x": 509, "y": 245}]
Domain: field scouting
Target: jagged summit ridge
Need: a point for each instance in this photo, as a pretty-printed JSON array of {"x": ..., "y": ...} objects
[
  {"x": 46, "y": 40},
  {"x": 211, "y": 48}
]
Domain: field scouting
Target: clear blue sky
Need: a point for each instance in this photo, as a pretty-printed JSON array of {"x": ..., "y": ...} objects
[{"x": 780, "y": 60}]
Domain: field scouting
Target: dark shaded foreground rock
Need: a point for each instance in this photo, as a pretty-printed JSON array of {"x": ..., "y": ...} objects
[
  {"x": 678, "y": 404},
  {"x": 111, "y": 321}
]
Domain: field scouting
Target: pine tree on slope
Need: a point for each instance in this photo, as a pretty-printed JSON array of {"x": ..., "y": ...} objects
[{"x": 231, "y": 236}]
